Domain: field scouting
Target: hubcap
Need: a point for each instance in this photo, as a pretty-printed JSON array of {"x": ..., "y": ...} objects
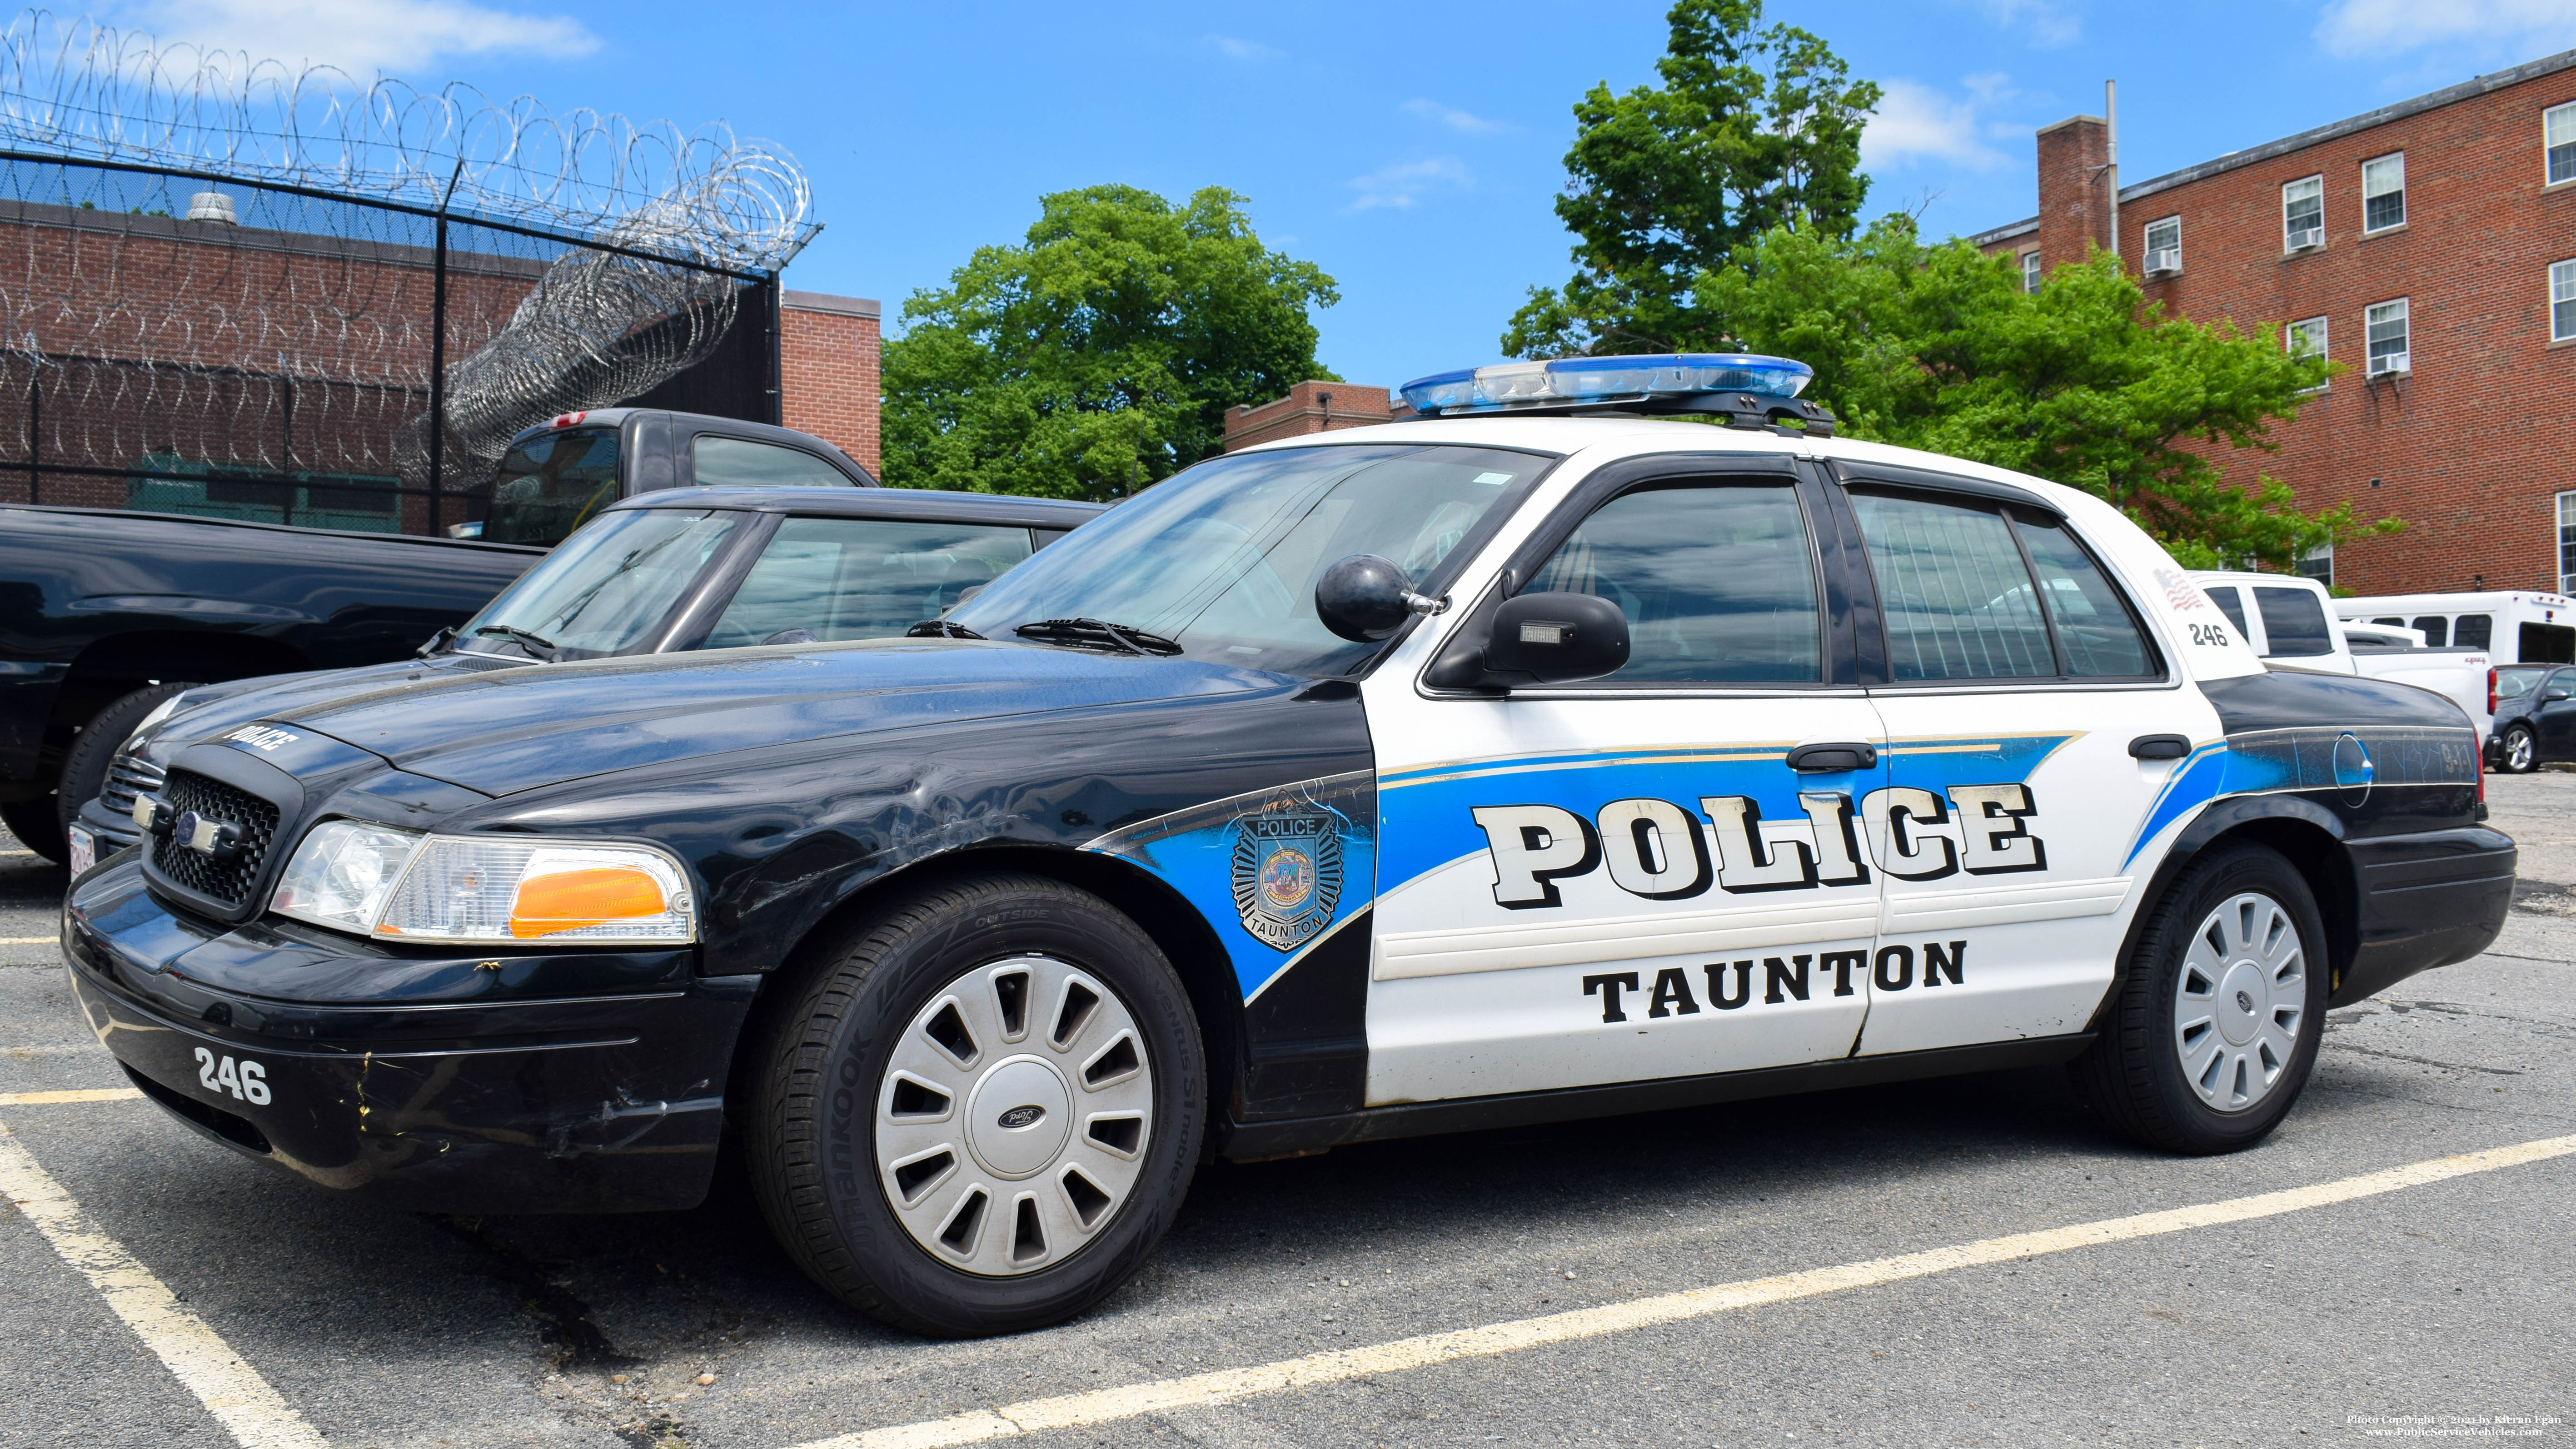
[
  {"x": 2517, "y": 750},
  {"x": 1012, "y": 1121},
  {"x": 2240, "y": 1000}
]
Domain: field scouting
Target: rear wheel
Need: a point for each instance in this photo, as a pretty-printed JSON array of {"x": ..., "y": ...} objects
[
  {"x": 2517, "y": 753},
  {"x": 982, "y": 1111},
  {"x": 2220, "y": 1012}
]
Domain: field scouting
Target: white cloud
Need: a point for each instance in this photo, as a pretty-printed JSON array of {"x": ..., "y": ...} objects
[
  {"x": 1452, "y": 117},
  {"x": 363, "y": 37},
  {"x": 1402, "y": 184},
  {"x": 2353, "y": 28},
  {"x": 2043, "y": 23},
  {"x": 1248, "y": 51},
  {"x": 1917, "y": 123}
]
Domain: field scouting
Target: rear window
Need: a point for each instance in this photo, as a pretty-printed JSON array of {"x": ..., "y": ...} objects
[
  {"x": 2232, "y": 604},
  {"x": 2294, "y": 623},
  {"x": 720, "y": 462},
  {"x": 862, "y": 578},
  {"x": 550, "y": 485}
]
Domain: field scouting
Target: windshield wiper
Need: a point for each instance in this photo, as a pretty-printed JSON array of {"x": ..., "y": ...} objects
[
  {"x": 1093, "y": 634},
  {"x": 940, "y": 629},
  {"x": 536, "y": 646}
]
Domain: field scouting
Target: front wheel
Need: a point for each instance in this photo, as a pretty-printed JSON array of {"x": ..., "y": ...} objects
[
  {"x": 2517, "y": 753},
  {"x": 983, "y": 1110},
  {"x": 2220, "y": 1012}
]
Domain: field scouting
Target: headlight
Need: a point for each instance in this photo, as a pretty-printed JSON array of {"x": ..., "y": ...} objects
[
  {"x": 152, "y": 721},
  {"x": 484, "y": 889},
  {"x": 342, "y": 873}
]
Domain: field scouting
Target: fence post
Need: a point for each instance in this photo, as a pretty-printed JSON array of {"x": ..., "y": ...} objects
[{"x": 438, "y": 380}]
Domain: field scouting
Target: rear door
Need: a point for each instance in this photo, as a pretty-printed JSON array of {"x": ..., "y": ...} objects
[
  {"x": 1656, "y": 874},
  {"x": 2017, "y": 678}
]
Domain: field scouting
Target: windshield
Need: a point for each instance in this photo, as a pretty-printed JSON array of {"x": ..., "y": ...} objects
[
  {"x": 605, "y": 590},
  {"x": 1223, "y": 559},
  {"x": 2512, "y": 683},
  {"x": 550, "y": 485}
]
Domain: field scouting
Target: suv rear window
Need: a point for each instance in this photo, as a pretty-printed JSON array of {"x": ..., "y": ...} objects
[
  {"x": 550, "y": 485},
  {"x": 2294, "y": 623}
]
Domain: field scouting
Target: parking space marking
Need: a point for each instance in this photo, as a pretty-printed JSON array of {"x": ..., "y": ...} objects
[
  {"x": 64, "y": 1099},
  {"x": 1101, "y": 1406},
  {"x": 29, "y": 940},
  {"x": 231, "y": 1390}
]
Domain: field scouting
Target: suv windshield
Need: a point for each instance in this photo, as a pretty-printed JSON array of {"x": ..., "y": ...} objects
[
  {"x": 604, "y": 591},
  {"x": 550, "y": 485},
  {"x": 1223, "y": 559}
]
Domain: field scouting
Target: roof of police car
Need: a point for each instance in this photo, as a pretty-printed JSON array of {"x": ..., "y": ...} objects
[
  {"x": 1600, "y": 439},
  {"x": 890, "y": 503}
]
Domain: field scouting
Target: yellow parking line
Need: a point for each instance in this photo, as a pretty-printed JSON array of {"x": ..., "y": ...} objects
[
  {"x": 231, "y": 1390},
  {"x": 64, "y": 1099},
  {"x": 1073, "y": 1411},
  {"x": 29, "y": 940}
]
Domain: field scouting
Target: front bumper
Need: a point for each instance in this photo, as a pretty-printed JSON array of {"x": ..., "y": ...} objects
[{"x": 514, "y": 1083}]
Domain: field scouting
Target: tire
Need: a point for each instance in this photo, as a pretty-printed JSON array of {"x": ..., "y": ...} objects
[
  {"x": 2517, "y": 753},
  {"x": 2262, "y": 1004},
  {"x": 37, "y": 826},
  {"x": 873, "y": 1123},
  {"x": 94, "y": 749}
]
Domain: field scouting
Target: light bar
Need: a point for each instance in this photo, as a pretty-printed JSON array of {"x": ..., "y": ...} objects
[{"x": 1506, "y": 386}]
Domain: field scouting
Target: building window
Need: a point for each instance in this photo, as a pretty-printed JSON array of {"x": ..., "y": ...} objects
[
  {"x": 2164, "y": 246},
  {"x": 2567, "y": 543},
  {"x": 2303, "y": 214},
  {"x": 2030, "y": 272},
  {"x": 2558, "y": 133},
  {"x": 2318, "y": 563},
  {"x": 2562, "y": 301},
  {"x": 2386, "y": 326},
  {"x": 2306, "y": 339},
  {"x": 2383, "y": 193}
]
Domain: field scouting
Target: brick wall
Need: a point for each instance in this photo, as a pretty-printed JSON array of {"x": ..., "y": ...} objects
[
  {"x": 829, "y": 353},
  {"x": 2472, "y": 446},
  {"x": 1309, "y": 407}
]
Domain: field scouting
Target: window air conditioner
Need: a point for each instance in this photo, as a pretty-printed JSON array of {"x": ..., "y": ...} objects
[
  {"x": 2393, "y": 362},
  {"x": 2164, "y": 261},
  {"x": 2306, "y": 237}
]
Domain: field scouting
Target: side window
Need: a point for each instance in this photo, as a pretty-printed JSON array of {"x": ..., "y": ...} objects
[
  {"x": 862, "y": 578},
  {"x": 2095, "y": 630},
  {"x": 719, "y": 462},
  {"x": 2436, "y": 629},
  {"x": 2231, "y": 602},
  {"x": 2294, "y": 623},
  {"x": 1717, "y": 582},
  {"x": 2474, "y": 631},
  {"x": 1956, "y": 600}
]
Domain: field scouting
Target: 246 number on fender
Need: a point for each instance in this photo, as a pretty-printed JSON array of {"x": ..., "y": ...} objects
[{"x": 247, "y": 1080}]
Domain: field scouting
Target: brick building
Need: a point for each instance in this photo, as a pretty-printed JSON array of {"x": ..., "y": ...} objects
[
  {"x": 829, "y": 352},
  {"x": 1309, "y": 407},
  {"x": 2429, "y": 246}
]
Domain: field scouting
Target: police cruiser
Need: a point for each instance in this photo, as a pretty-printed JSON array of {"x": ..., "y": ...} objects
[{"x": 1609, "y": 737}]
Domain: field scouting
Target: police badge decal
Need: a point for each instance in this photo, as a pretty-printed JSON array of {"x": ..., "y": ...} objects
[{"x": 1287, "y": 875}]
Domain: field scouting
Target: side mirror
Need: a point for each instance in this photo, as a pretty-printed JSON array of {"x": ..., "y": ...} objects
[
  {"x": 2553, "y": 694},
  {"x": 1365, "y": 598},
  {"x": 1558, "y": 638}
]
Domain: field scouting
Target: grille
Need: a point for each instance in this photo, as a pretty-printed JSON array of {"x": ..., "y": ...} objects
[
  {"x": 127, "y": 777},
  {"x": 228, "y": 881}
]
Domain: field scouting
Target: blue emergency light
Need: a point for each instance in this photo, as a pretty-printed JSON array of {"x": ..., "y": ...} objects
[{"x": 1744, "y": 387}]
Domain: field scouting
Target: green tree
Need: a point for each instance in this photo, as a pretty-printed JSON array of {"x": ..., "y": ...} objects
[
  {"x": 2085, "y": 383},
  {"x": 1751, "y": 129},
  {"x": 1102, "y": 353}
]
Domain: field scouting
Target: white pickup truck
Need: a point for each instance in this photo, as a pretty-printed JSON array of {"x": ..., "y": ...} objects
[{"x": 2290, "y": 622}]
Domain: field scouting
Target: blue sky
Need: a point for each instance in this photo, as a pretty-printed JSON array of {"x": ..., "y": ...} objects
[{"x": 1412, "y": 152}]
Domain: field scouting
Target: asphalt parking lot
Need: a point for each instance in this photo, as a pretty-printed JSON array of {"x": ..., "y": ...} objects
[{"x": 2437, "y": 1305}]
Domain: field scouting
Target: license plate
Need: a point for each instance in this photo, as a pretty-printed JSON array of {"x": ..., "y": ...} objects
[{"x": 84, "y": 850}]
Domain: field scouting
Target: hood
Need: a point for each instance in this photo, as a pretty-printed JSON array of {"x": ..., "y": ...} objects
[
  {"x": 213, "y": 708},
  {"x": 517, "y": 729}
]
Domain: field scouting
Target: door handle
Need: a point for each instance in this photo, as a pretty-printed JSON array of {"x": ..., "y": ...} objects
[
  {"x": 2159, "y": 747},
  {"x": 1841, "y": 756}
]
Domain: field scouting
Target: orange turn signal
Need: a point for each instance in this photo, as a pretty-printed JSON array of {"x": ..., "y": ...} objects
[{"x": 571, "y": 899}]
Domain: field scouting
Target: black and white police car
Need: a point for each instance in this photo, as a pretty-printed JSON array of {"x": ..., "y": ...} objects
[{"x": 1537, "y": 758}]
